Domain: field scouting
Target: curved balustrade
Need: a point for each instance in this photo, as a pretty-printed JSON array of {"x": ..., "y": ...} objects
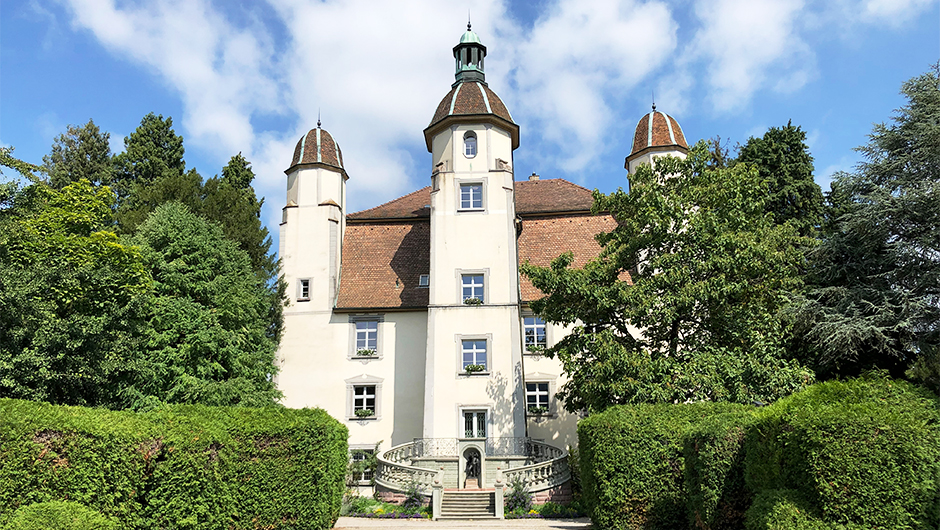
[
  {"x": 541, "y": 475},
  {"x": 392, "y": 474}
]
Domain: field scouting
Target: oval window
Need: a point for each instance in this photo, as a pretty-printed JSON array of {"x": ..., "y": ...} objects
[{"x": 470, "y": 144}]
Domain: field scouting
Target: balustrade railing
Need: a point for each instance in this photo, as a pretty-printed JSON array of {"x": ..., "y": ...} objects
[{"x": 391, "y": 473}]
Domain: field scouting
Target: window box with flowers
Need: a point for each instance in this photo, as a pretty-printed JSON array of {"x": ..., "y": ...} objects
[
  {"x": 538, "y": 411},
  {"x": 474, "y": 368},
  {"x": 365, "y": 352},
  {"x": 365, "y": 413},
  {"x": 472, "y": 301}
]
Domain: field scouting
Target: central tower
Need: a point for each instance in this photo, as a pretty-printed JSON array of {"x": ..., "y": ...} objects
[{"x": 473, "y": 383}]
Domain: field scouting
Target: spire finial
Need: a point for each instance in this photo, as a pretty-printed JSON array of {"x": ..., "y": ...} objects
[
  {"x": 468, "y": 19},
  {"x": 653, "y": 97},
  {"x": 318, "y": 118}
]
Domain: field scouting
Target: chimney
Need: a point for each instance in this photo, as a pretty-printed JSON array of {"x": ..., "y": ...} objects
[{"x": 533, "y": 176}]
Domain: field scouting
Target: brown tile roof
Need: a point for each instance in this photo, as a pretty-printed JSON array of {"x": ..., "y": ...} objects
[
  {"x": 665, "y": 131},
  {"x": 393, "y": 241},
  {"x": 545, "y": 238},
  {"x": 532, "y": 197},
  {"x": 325, "y": 152},
  {"x": 376, "y": 256},
  {"x": 467, "y": 98}
]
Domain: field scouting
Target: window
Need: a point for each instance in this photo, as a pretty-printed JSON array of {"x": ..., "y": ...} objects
[
  {"x": 471, "y": 287},
  {"x": 474, "y": 424},
  {"x": 362, "y": 471},
  {"x": 534, "y": 328},
  {"x": 303, "y": 289},
  {"x": 424, "y": 280},
  {"x": 474, "y": 353},
  {"x": 470, "y": 144},
  {"x": 364, "y": 400},
  {"x": 471, "y": 196},
  {"x": 367, "y": 335},
  {"x": 536, "y": 397}
]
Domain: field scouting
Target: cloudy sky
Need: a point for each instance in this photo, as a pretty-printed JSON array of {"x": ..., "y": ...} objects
[{"x": 577, "y": 75}]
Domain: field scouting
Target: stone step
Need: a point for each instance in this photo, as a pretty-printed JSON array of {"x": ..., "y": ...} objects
[{"x": 468, "y": 505}]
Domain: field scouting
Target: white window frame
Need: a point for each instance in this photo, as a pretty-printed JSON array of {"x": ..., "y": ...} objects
[
  {"x": 476, "y": 283},
  {"x": 539, "y": 379},
  {"x": 354, "y": 321},
  {"x": 543, "y": 398},
  {"x": 460, "y": 273},
  {"x": 363, "y": 381},
  {"x": 461, "y": 184},
  {"x": 303, "y": 284},
  {"x": 487, "y": 339},
  {"x": 476, "y": 412},
  {"x": 534, "y": 326},
  {"x": 364, "y": 478},
  {"x": 470, "y": 142}
]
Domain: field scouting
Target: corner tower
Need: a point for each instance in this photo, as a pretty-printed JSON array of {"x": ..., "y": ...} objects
[
  {"x": 657, "y": 134},
  {"x": 473, "y": 386}
]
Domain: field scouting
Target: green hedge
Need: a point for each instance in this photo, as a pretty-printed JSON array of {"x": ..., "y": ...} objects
[
  {"x": 58, "y": 515},
  {"x": 865, "y": 451},
  {"x": 787, "y": 510},
  {"x": 632, "y": 464},
  {"x": 714, "y": 471},
  {"x": 179, "y": 467}
]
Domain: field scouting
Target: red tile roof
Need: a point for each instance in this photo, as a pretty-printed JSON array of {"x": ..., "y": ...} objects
[
  {"x": 664, "y": 132},
  {"x": 467, "y": 99},
  {"x": 392, "y": 242},
  {"x": 315, "y": 148}
]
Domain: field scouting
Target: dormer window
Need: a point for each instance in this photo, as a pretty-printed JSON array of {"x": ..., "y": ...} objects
[{"x": 470, "y": 144}]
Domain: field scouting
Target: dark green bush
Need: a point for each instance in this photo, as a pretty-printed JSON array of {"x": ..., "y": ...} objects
[
  {"x": 865, "y": 451},
  {"x": 714, "y": 471},
  {"x": 58, "y": 515},
  {"x": 178, "y": 467},
  {"x": 787, "y": 510},
  {"x": 632, "y": 464}
]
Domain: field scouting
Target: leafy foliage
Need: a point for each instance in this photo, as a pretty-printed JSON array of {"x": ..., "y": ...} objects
[
  {"x": 208, "y": 340},
  {"x": 632, "y": 463},
  {"x": 875, "y": 300},
  {"x": 177, "y": 467},
  {"x": 518, "y": 500},
  {"x": 71, "y": 295},
  {"x": 61, "y": 515},
  {"x": 710, "y": 270},
  {"x": 782, "y": 160},
  {"x": 80, "y": 153}
]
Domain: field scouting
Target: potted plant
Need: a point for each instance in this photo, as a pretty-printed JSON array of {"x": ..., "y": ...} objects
[
  {"x": 535, "y": 348},
  {"x": 364, "y": 413},
  {"x": 365, "y": 352},
  {"x": 474, "y": 368},
  {"x": 472, "y": 301},
  {"x": 538, "y": 410}
]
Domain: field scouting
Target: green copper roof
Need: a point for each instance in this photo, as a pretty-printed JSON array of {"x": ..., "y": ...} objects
[{"x": 469, "y": 36}]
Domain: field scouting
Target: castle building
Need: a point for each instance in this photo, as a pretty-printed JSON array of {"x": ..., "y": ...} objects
[{"x": 410, "y": 321}]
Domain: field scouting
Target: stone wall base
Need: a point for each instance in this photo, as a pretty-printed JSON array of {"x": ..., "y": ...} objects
[
  {"x": 396, "y": 497},
  {"x": 559, "y": 495}
]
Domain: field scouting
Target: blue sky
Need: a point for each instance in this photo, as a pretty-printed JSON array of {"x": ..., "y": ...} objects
[{"x": 577, "y": 75}]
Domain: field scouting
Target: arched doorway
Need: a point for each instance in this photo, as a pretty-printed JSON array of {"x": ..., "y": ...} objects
[{"x": 472, "y": 468}]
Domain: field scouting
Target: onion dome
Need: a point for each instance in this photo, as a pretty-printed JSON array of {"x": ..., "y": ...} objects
[
  {"x": 317, "y": 148},
  {"x": 470, "y": 100},
  {"x": 657, "y": 131}
]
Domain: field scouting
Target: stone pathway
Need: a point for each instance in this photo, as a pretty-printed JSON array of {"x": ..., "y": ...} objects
[{"x": 583, "y": 523}]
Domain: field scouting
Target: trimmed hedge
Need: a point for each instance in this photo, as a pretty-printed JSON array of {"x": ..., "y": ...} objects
[
  {"x": 632, "y": 463},
  {"x": 787, "y": 510},
  {"x": 865, "y": 451},
  {"x": 58, "y": 515},
  {"x": 714, "y": 470},
  {"x": 178, "y": 467}
]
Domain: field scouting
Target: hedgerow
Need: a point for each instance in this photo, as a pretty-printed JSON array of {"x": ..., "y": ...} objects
[
  {"x": 58, "y": 515},
  {"x": 177, "y": 467},
  {"x": 864, "y": 451},
  {"x": 632, "y": 463}
]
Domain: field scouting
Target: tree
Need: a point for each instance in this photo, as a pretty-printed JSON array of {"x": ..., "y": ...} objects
[
  {"x": 80, "y": 153},
  {"x": 71, "y": 296},
  {"x": 875, "y": 297},
  {"x": 710, "y": 271},
  {"x": 783, "y": 161},
  {"x": 209, "y": 339}
]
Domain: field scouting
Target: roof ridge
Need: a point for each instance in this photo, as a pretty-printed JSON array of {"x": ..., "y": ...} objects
[
  {"x": 396, "y": 199},
  {"x": 561, "y": 179}
]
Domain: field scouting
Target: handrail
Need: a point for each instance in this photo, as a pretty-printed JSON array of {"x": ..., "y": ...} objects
[
  {"x": 392, "y": 474},
  {"x": 544, "y": 474}
]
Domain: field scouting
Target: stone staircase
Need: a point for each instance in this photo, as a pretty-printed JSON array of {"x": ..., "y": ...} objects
[{"x": 468, "y": 505}]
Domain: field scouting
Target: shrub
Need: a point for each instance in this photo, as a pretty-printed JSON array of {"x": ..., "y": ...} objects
[
  {"x": 787, "y": 510},
  {"x": 632, "y": 463},
  {"x": 519, "y": 500},
  {"x": 178, "y": 467},
  {"x": 714, "y": 471},
  {"x": 865, "y": 451},
  {"x": 58, "y": 515}
]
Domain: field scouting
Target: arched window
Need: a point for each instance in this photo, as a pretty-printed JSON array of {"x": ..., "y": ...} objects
[{"x": 470, "y": 144}]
